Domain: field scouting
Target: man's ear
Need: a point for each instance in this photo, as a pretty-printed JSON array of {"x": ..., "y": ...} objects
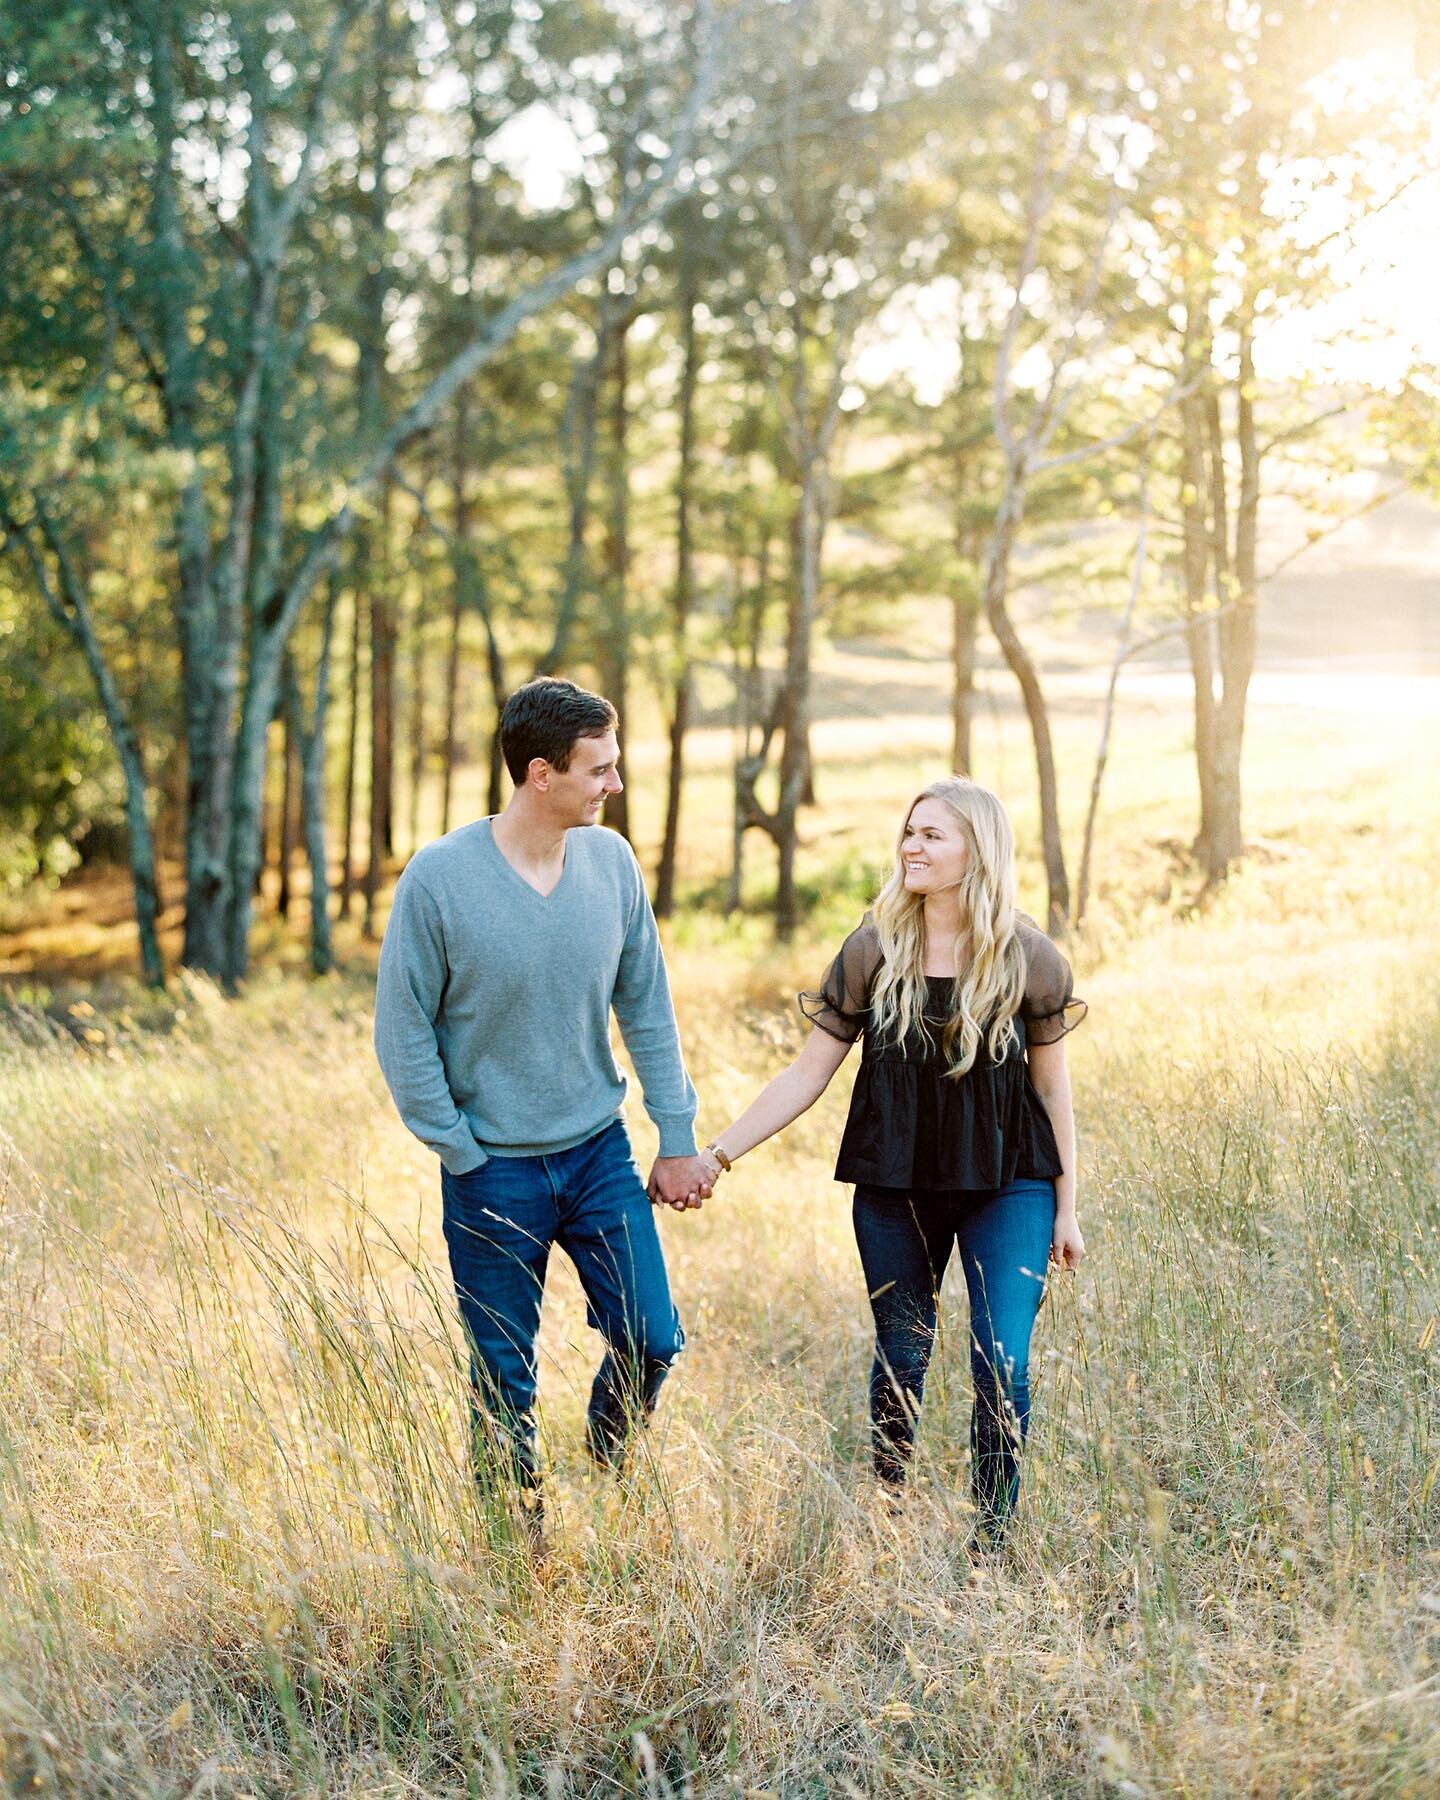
[{"x": 539, "y": 772}]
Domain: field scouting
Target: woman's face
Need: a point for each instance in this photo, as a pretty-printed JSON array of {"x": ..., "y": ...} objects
[{"x": 934, "y": 849}]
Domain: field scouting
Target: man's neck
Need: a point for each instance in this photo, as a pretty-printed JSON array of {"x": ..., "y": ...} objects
[{"x": 526, "y": 836}]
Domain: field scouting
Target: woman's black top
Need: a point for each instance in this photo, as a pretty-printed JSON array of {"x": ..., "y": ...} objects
[{"x": 913, "y": 1126}]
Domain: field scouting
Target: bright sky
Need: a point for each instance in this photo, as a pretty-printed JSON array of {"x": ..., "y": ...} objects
[{"x": 1384, "y": 320}]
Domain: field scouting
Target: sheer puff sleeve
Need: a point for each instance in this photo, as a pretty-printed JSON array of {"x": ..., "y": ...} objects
[
  {"x": 1049, "y": 1010},
  {"x": 842, "y": 1005}
]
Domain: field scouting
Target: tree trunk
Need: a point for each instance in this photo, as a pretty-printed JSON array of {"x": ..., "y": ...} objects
[
  {"x": 248, "y": 559},
  {"x": 290, "y": 798},
  {"x": 267, "y": 826},
  {"x": 376, "y": 457},
  {"x": 195, "y": 608},
  {"x": 352, "y": 723},
  {"x": 1107, "y": 717},
  {"x": 1238, "y": 629},
  {"x": 581, "y": 432},
  {"x": 681, "y": 604},
  {"x": 312, "y": 765},
  {"x": 417, "y": 712},
  {"x": 372, "y": 388},
  {"x": 964, "y": 622},
  {"x": 749, "y": 622},
  {"x": 1195, "y": 562},
  {"x": 996, "y": 585},
  {"x": 382, "y": 720},
  {"x": 459, "y": 487},
  {"x": 616, "y": 634},
  {"x": 460, "y": 473},
  {"x": 795, "y": 712},
  {"x": 70, "y": 609},
  {"x": 262, "y": 694}
]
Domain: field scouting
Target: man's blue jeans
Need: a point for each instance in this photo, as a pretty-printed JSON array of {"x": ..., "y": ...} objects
[
  {"x": 500, "y": 1223},
  {"x": 905, "y": 1242}
]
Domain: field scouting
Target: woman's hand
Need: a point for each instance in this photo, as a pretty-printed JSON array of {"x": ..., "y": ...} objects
[{"x": 1067, "y": 1247}]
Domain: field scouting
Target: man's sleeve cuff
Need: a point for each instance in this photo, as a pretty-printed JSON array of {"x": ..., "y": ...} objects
[
  {"x": 460, "y": 1161},
  {"x": 677, "y": 1136}
]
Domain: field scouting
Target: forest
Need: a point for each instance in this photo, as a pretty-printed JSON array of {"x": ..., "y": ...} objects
[
  {"x": 853, "y": 391},
  {"x": 363, "y": 361}
]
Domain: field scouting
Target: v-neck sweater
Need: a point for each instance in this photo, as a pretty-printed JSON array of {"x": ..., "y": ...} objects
[{"x": 493, "y": 1002}]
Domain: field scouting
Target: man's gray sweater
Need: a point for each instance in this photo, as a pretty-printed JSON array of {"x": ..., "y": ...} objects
[{"x": 492, "y": 1010}]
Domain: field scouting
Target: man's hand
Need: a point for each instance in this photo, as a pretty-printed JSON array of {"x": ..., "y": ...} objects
[{"x": 680, "y": 1181}]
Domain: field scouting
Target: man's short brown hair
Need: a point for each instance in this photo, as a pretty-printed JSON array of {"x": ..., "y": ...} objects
[{"x": 546, "y": 718}]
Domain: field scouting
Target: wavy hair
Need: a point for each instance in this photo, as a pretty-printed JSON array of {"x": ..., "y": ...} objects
[{"x": 989, "y": 957}]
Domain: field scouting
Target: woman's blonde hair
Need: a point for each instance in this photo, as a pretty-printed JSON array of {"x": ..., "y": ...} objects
[{"x": 989, "y": 957}]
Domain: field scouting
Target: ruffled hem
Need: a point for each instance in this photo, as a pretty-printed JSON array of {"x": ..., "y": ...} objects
[
  {"x": 1049, "y": 1028},
  {"x": 831, "y": 1017}
]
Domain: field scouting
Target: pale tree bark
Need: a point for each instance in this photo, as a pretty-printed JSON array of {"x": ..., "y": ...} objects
[
  {"x": 316, "y": 557},
  {"x": 460, "y": 461},
  {"x": 972, "y": 409},
  {"x": 580, "y": 432},
  {"x": 290, "y": 801},
  {"x": 459, "y": 488},
  {"x": 812, "y": 514},
  {"x": 173, "y": 358},
  {"x": 382, "y": 718},
  {"x": 811, "y": 422},
  {"x": 1107, "y": 717},
  {"x": 352, "y": 743},
  {"x": 1027, "y": 676},
  {"x": 1027, "y": 458},
  {"x": 1196, "y": 558},
  {"x": 231, "y": 664},
  {"x": 747, "y": 629},
  {"x": 236, "y": 726},
  {"x": 615, "y": 587},
  {"x": 471, "y": 595},
  {"x": 416, "y": 698},
  {"x": 373, "y": 374},
  {"x": 964, "y": 648},
  {"x": 682, "y": 601},
  {"x": 310, "y": 735},
  {"x": 68, "y": 603},
  {"x": 1239, "y": 627}
]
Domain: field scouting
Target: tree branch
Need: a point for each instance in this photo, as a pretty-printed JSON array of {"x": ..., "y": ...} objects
[{"x": 639, "y": 208}]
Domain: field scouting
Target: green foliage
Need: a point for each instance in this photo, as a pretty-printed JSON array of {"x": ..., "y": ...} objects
[{"x": 57, "y": 776}]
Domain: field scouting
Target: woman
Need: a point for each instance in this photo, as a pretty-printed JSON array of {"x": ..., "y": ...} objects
[{"x": 960, "y": 1131}]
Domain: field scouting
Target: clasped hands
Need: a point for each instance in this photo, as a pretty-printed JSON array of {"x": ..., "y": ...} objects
[{"x": 682, "y": 1181}]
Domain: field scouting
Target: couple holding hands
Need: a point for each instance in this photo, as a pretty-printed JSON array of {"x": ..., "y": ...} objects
[{"x": 511, "y": 941}]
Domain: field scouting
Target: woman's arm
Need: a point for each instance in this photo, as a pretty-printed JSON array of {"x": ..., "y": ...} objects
[
  {"x": 793, "y": 1091},
  {"x": 1051, "y": 1081}
]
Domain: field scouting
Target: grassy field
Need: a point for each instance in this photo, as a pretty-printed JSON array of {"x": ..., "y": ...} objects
[{"x": 240, "y": 1551}]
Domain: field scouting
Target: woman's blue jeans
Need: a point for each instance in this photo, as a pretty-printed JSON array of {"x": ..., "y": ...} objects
[
  {"x": 501, "y": 1221},
  {"x": 905, "y": 1239}
]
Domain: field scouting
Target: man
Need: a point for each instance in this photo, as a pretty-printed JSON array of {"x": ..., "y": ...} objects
[{"x": 509, "y": 943}]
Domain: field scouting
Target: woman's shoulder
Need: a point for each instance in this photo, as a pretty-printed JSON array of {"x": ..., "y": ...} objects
[
  {"x": 860, "y": 954},
  {"x": 1033, "y": 937},
  {"x": 866, "y": 935},
  {"x": 1046, "y": 968}
]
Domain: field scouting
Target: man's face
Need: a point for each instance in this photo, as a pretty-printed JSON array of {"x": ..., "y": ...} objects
[{"x": 577, "y": 795}]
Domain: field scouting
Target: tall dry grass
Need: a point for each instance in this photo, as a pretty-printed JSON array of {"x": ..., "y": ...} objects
[{"x": 241, "y": 1553}]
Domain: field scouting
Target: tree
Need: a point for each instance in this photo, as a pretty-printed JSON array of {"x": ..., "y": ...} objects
[{"x": 254, "y": 534}]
